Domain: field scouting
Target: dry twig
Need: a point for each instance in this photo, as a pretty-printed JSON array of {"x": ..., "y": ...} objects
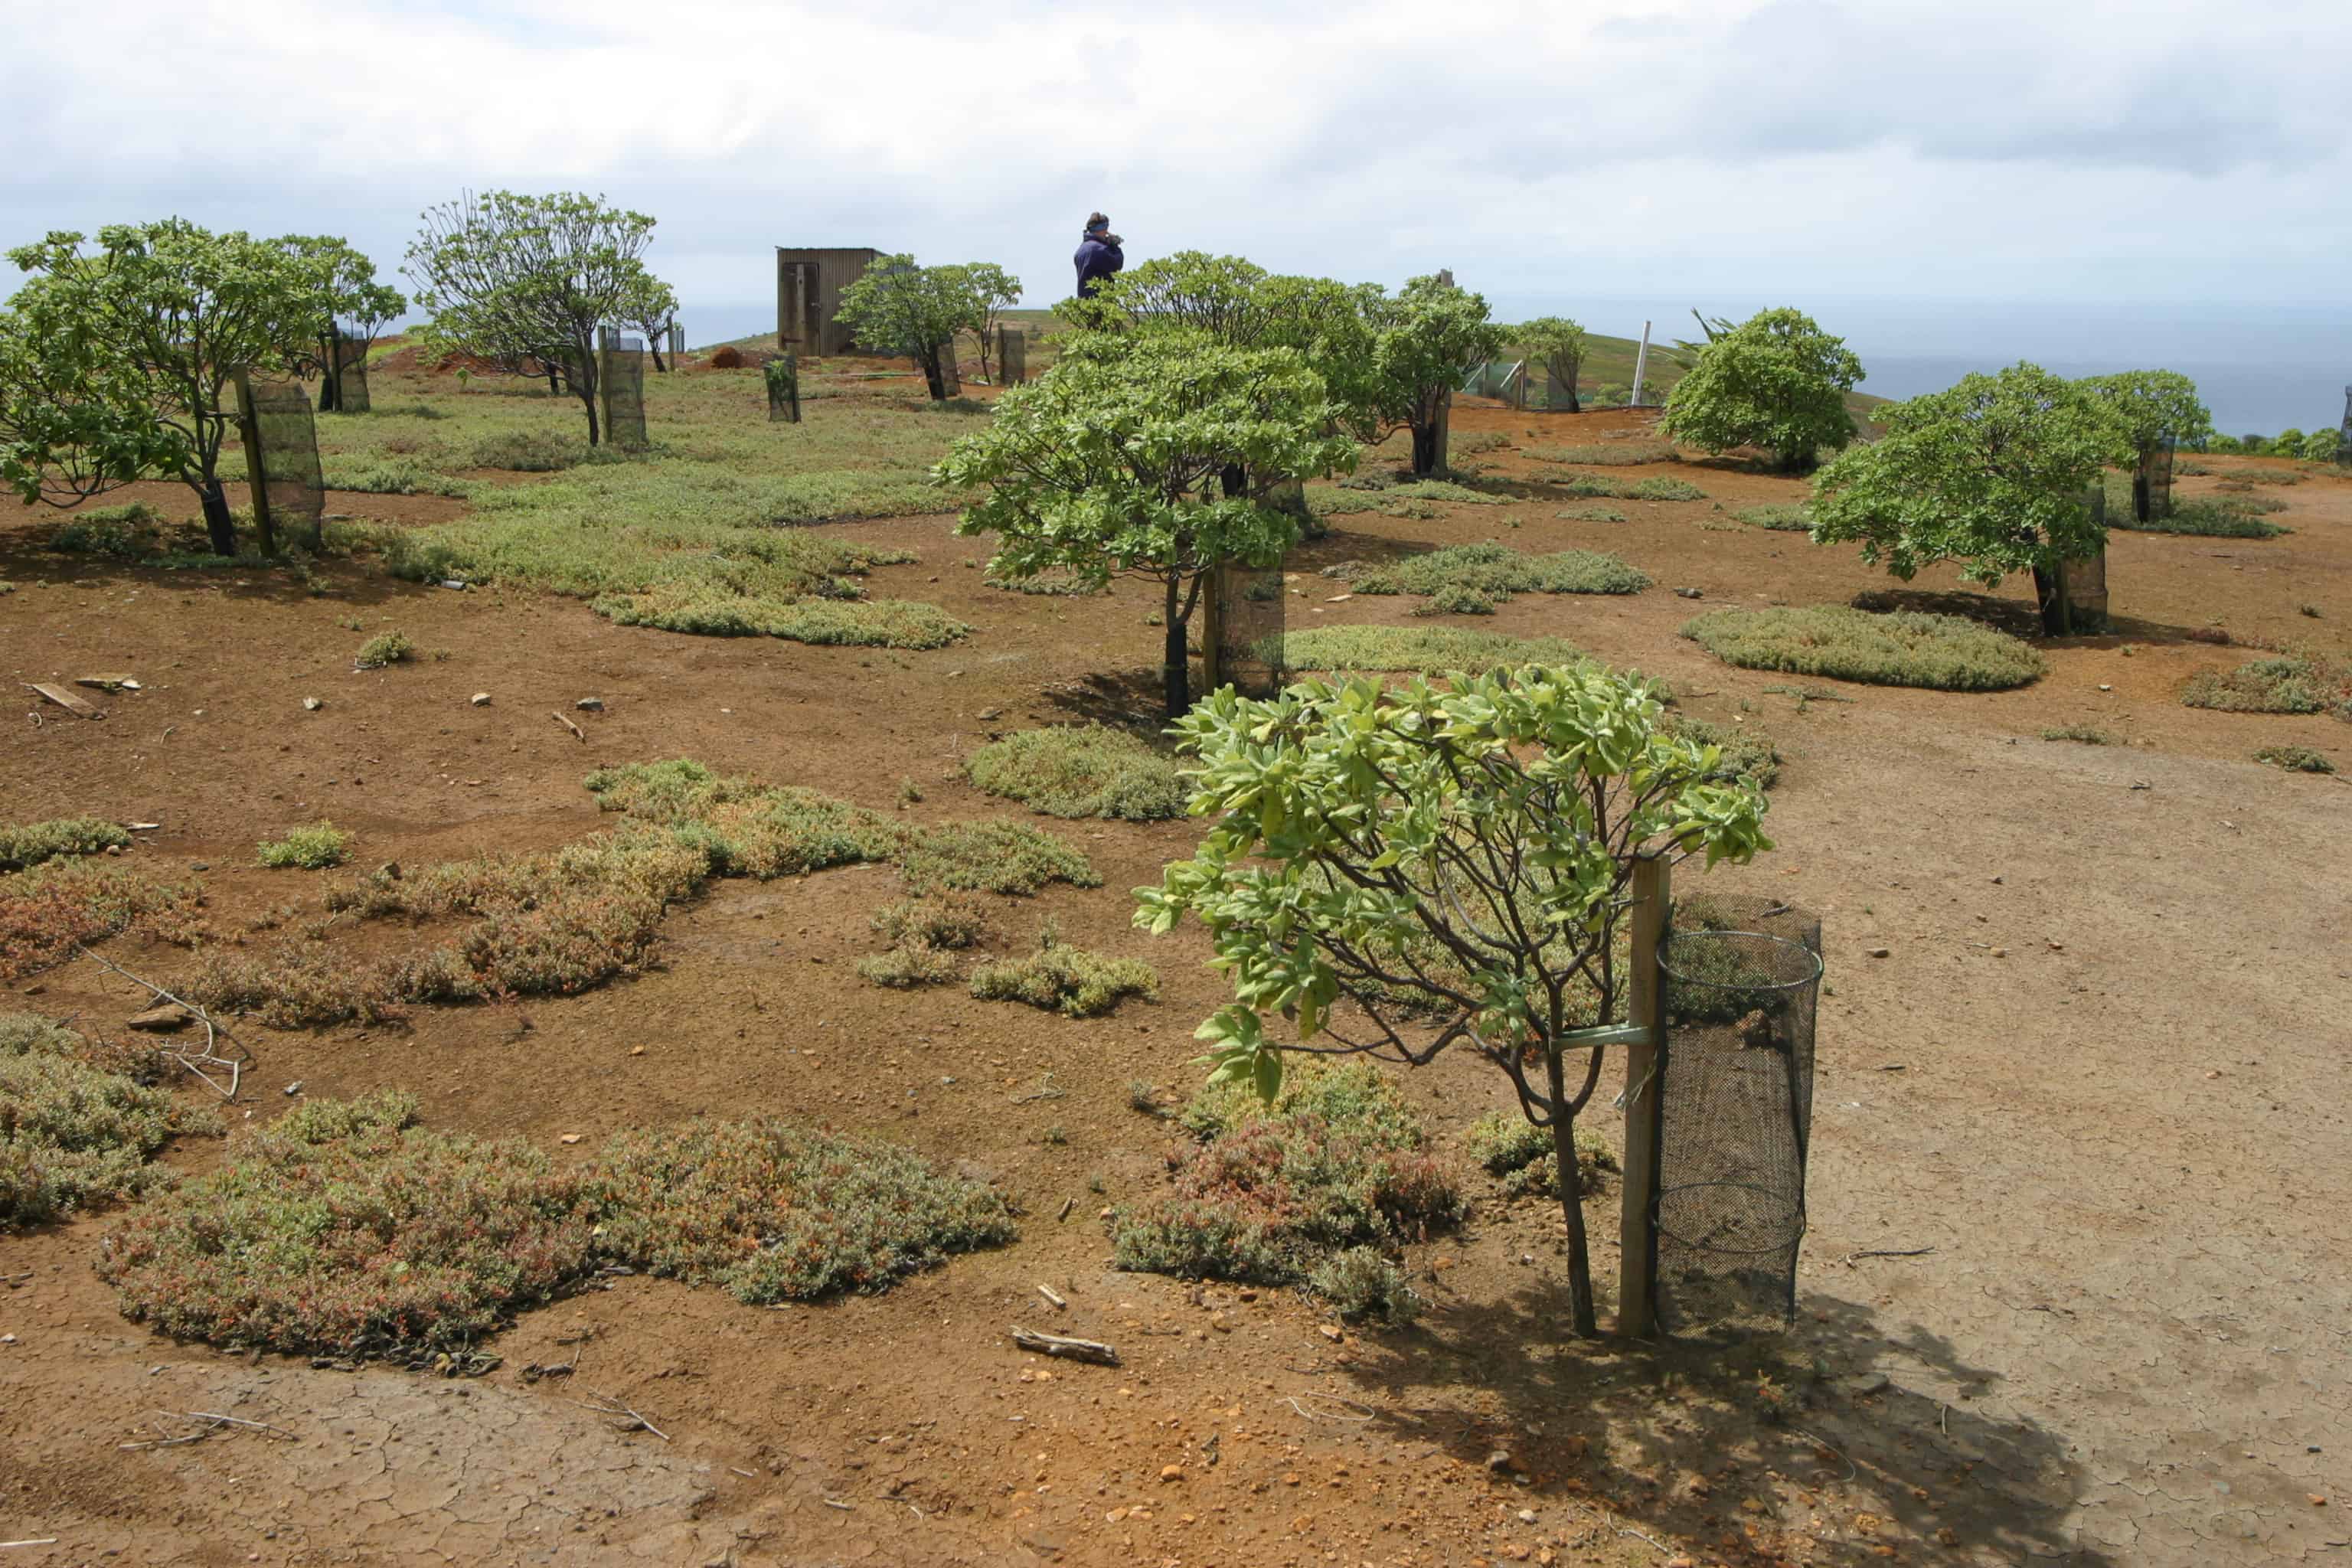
[
  {"x": 607, "y": 1405},
  {"x": 1094, "y": 1351},
  {"x": 214, "y": 1030}
]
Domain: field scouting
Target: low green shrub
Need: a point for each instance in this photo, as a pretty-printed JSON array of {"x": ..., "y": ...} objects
[
  {"x": 124, "y": 532},
  {"x": 1608, "y": 453},
  {"x": 1494, "y": 573},
  {"x": 709, "y": 607},
  {"x": 1661, "y": 488},
  {"x": 1524, "y": 1157},
  {"x": 772, "y": 1212},
  {"x": 311, "y": 848},
  {"x": 395, "y": 476},
  {"x": 2295, "y": 759},
  {"x": 1361, "y": 1282},
  {"x": 2082, "y": 734},
  {"x": 1081, "y": 771},
  {"x": 75, "y": 1129},
  {"x": 1420, "y": 651},
  {"x": 1901, "y": 648},
  {"x": 1590, "y": 515},
  {"x": 343, "y": 1229},
  {"x": 908, "y": 966},
  {"x": 38, "y": 841},
  {"x": 1446, "y": 491},
  {"x": 531, "y": 451},
  {"x": 1067, "y": 980},
  {"x": 1778, "y": 518},
  {"x": 949, "y": 923},
  {"x": 1271, "y": 1193},
  {"x": 992, "y": 857},
  {"x": 384, "y": 649},
  {"x": 2285, "y": 683}
]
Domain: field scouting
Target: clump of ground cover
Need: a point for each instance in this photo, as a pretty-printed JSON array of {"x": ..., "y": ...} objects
[
  {"x": 1067, "y": 980},
  {"x": 1421, "y": 650},
  {"x": 1590, "y": 515},
  {"x": 772, "y": 1212},
  {"x": 1472, "y": 578},
  {"x": 2295, "y": 759},
  {"x": 949, "y": 923},
  {"x": 1901, "y": 648},
  {"x": 1072, "y": 771},
  {"x": 561, "y": 922},
  {"x": 1779, "y": 518},
  {"x": 384, "y": 649},
  {"x": 344, "y": 1229},
  {"x": 75, "y": 1128},
  {"x": 1608, "y": 453},
  {"x": 393, "y": 476},
  {"x": 123, "y": 533},
  {"x": 2081, "y": 734},
  {"x": 2202, "y": 517},
  {"x": 1522, "y": 1156},
  {"x": 1658, "y": 486},
  {"x": 906, "y": 966},
  {"x": 1364, "y": 1282},
  {"x": 311, "y": 848},
  {"x": 2283, "y": 683},
  {"x": 1269, "y": 1194},
  {"x": 36, "y": 842},
  {"x": 48, "y": 909}
]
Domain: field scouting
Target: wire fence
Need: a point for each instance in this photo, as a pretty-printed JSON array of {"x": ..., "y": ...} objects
[{"x": 620, "y": 387}]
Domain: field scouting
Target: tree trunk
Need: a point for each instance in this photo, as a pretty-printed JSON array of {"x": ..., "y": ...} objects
[
  {"x": 1572, "y": 1204},
  {"x": 588, "y": 400},
  {"x": 2141, "y": 491},
  {"x": 2049, "y": 589},
  {"x": 1176, "y": 677},
  {"x": 653, "y": 346},
  {"x": 1428, "y": 457},
  {"x": 218, "y": 523},
  {"x": 1235, "y": 480}
]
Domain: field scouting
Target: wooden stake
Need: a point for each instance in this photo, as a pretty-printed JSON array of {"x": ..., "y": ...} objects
[
  {"x": 1057, "y": 1345},
  {"x": 1637, "y": 1258},
  {"x": 578, "y": 734},
  {"x": 256, "y": 461}
]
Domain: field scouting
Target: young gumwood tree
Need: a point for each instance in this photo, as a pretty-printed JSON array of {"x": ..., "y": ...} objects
[
  {"x": 153, "y": 324},
  {"x": 650, "y": 306},
  {"x": 992, "y": 291},
  {"x": 1776, "y": 381},
  {"x": 74, "y": 420},
  {"x": 524, "y": 281},
  {"x": 2150, "y": 407},
  {"x": 353, "y": 306},
  {"x": 1559, "y": 344},
  {"x": 1112, "y": 462},
  {"x": 1451, "y": 861},
  {"x": 898, "y": 307},
  {"x": 1423, "y": 341},
  {"x": 1990, "y": 473}
]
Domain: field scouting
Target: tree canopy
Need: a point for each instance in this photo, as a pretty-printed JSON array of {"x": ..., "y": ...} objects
[
  {"x": 1559, "y": 345},
  {"x": 138, "y": 341},
  {"x": 897, "y": 307},
  {"x": 990, "y": 290},
  {"x": 1990, "y": 473},
  {"x": 1112, "y": 462},
  {"x": 1423, "y": 341},
  {"x": 2150, "y": 407},
  {"x": 1776, "y": 381},
  {"x": 1453, "y": 861},
  {"x": 355, "y": 305},
  {"x": 524, "y": 281}
]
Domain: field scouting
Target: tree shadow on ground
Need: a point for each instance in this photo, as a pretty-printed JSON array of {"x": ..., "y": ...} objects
[
  {"x": 2020, "y": 618},
  {"x": 27, "y": 556},
  {"x": 1829, "y": 1443}
]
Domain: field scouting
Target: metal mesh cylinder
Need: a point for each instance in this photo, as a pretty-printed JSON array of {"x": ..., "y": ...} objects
[
  {"x": 282, "y": 460},
  {"x": 1739, "y": 978},
  {"x": 351, "y": 374},
  {"x": 1251, "y": 604},
  {"x": 620, "y": 387}
]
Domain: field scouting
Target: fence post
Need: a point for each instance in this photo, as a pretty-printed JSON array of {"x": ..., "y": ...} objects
[
  {"x": 1637, "y": 1304},
  {"x": 1640, "y": 367},
  {"x": 256, "y": 461}
]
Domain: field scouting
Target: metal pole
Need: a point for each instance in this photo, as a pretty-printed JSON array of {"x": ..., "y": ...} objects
[
  {"x": 1637, "y": 1307},
  {"x": 1640, "y": 367}
]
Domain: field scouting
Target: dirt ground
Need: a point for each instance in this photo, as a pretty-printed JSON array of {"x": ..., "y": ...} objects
[{"x": 2097, "y": 1077}]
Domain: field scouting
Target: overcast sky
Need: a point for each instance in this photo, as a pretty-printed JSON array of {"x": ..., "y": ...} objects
[{"x": 1719, "y": 153}]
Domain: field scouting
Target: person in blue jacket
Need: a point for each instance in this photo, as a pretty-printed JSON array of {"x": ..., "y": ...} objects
[{"x": 1098, "y": 255}]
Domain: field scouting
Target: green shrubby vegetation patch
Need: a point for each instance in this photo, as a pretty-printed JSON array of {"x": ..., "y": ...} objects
[
  {"x": 311, "y": 848},
  {"x": 1781, "y": 519},
  {"x": 772, "y": 1212},
  {"x": 1521, "y": 1155},
  {"x": 1420, "y": 651},
  {"x": 344, "y": 1229},
  {"x": 383, "y": 650},
  {"x": 2295, "y": 759},
  {"x": 1272, "y": 1194},
  {"x": 76, "y": 1127},
  {"x": 1902, "y": 648},
  {"x": 2081, "y": 734},
  {"x": 1745, "y": 754},
  {"x": 1081, "y": 771},
  {"x": 48, "y": 909},
  {"x": 1067, "y": 980},
  {"x": 1472, "y": 578},
  {"x": 1608, "y": 453},
  {"x": 36, "y": 842},
  {"x": 2283, "y": 683}
]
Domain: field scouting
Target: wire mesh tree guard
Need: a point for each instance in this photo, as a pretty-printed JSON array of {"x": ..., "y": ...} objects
[{"x": 281, "y": 437}]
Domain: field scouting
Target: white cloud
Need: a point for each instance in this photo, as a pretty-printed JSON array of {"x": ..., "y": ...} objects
[{"x": 1716, "y": 147}]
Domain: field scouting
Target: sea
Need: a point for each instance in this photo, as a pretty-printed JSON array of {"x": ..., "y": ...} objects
[{"x": 2259, "y": 368}]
